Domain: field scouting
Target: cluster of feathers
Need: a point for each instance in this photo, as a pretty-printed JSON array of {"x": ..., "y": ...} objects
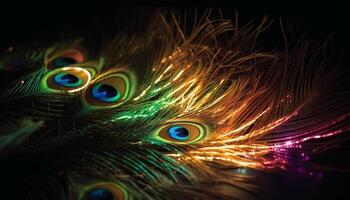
[{"x": 247, "y": 106}]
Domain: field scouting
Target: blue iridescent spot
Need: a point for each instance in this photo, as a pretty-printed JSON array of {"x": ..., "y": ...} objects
[
  {"x": 67, "y": 80},
  {"x": 63, "y": 61},
  {"x": 100, "y": 194},
  {"x": 105, "y": 93},
  {"x": 178, "y": 133}
]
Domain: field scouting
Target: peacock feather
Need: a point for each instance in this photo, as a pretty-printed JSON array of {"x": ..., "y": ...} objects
[{"x": 165, "y": 113}]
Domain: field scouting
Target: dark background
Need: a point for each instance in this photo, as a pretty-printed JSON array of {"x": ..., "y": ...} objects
[{"x": 22, "y": 23}]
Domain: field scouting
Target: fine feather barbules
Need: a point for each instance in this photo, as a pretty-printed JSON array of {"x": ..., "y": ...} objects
[{"x": 164, "y": 113}]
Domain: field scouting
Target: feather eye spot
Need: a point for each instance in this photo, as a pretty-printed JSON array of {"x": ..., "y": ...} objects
[
  {"x": 67, "y": 58},
  {"x": 111, "y": 90},
  {"x": 183, "y": 132},
  {"x": 105, "y": 93},
  {"x": 178, "y": 133},
  {"x": 63, "y": 62},
  {"x": 100, "y": 194},
  {"x": 70, "y": 79},
  {"x": 67, "y": 80},
  {"x": 105, "y": 191}
]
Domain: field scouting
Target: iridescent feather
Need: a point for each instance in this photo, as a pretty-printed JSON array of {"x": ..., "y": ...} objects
[{"x": 162, "y": 114}]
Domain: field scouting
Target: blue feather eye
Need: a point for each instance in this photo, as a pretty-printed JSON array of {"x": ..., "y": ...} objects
[
  {"x": 63, "y": 75},
  {"x": 104, "y": 191},
  {"x": 105, "y": 93},
  {"x": 111, "y": 90},
  {"x": 182, "y": 132},
  {"x": 67, "y": 80},
  {"x": 66, "y": 58},
  {"x": 100, "y": 194},
  {"x": 178, "y": 133},
  {"x": 70, "y": 79},
  {"x": 63, "y": 61}
]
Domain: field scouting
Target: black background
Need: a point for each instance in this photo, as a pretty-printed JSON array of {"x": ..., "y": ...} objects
[{"x": 21, "y": 23}]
